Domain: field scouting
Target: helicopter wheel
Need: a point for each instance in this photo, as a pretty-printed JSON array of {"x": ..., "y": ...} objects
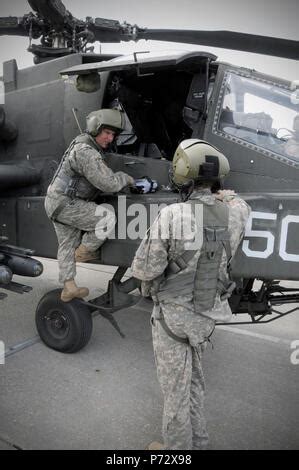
[{"x": 63, "y": 326}]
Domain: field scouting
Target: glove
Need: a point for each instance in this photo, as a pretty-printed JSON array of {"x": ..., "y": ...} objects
[
  {"x": 225, "y": 194},
  {"x": 144, "y": 185}
]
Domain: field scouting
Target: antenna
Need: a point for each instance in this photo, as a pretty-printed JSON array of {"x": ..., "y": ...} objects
[{"x": 74, "y": 111}]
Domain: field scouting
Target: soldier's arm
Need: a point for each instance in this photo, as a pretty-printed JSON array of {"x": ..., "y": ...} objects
[
  {"x": 239, "y": 212},
  {"x": 151, "y": 257},
  {"x": 292, "y": 148},
  {"x": 91, "y": 165}
]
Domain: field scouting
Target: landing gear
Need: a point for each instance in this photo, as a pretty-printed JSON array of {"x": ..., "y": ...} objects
[
  {"x": 63, "y": 326},
  {"x": 259, "y": 304},
  {"x": 67, "y": 326}
]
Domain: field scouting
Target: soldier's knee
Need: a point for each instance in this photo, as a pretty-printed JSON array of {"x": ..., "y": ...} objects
[{"x": 107, "y": 221}]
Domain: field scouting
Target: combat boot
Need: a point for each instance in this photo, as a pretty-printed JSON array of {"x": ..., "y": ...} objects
[
  {"x": 83, "y": 254},
  {"x": 72, "y": 291}
]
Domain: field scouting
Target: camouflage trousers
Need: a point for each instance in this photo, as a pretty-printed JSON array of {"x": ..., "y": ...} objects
[
  {"x": 79, "y": 222},
  {"x": 180, "y": 374}
]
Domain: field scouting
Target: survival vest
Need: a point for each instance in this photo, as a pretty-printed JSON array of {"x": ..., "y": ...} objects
[
  {"x": 205, "y": 282},
  {"x": 69, "y": 181}
]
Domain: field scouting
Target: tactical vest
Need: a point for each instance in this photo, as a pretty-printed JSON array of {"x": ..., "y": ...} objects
[
  {"x": 66, "y": 180},
  {"x": 205, "y": 282}
]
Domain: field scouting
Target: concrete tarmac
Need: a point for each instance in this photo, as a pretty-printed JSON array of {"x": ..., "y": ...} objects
[{"x": 106, "y": 396}]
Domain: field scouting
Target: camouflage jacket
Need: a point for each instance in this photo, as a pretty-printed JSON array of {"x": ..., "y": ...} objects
[
  {"x": 84, "y": 158},
  {"x": 292, "y": 147},
  {"x": 163, "y": 243}
]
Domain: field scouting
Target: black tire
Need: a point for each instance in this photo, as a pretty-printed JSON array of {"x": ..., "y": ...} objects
[{"x": 63, "y": 326}]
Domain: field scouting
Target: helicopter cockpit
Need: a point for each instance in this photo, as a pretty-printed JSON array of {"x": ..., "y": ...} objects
[
  {"x": 164, "y": 96},
  {"x": 258, "y": 113}
]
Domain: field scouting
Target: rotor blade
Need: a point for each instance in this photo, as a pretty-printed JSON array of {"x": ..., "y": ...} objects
[
  {"x": 106, "y": 30},
  {"x": 286, "y": 48},
  {"x": 53, "y": 11},
  {"x": 12, "y": 26}
]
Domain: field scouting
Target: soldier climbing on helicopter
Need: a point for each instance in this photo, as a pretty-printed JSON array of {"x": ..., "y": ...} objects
[{"x": 81, "y": 173}]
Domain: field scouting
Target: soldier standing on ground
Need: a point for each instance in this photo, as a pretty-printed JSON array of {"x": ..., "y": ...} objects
[
  {"x": 81, "y": 173},
  {"x": 190, "y": 287}
]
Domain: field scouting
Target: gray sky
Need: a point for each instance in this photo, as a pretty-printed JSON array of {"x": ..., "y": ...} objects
[{"x": 266, "y": 17}]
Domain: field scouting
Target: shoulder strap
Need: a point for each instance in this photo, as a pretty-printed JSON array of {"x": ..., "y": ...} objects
[{"x": 66, "y": 153}]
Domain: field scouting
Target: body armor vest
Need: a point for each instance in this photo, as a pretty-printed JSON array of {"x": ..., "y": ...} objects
[
  {"x": 66, "y": 180},
  {"x": 205, "y": 282}
]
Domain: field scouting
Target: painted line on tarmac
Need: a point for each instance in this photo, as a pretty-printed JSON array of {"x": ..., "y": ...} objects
[
  {"x": 20, "y": 346},
  {"x": 240, "y": 331}
]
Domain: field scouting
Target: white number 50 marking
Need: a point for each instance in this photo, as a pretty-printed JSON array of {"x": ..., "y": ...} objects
[
  {"x": 285, "y": 222},
  {"x": 284, "y": 235},
  {"x": 259, "y": 234}
]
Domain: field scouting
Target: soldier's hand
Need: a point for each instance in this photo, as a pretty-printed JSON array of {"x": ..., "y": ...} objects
[
  {"x": 225, "y": 194},
  {"x": 131, "y": 181}
]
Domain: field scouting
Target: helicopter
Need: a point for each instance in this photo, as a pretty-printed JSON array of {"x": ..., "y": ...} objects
[{"x": 167, "y": 97}]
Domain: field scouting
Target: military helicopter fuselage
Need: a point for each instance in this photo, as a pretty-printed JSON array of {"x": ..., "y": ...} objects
[
  {"x": 166, "y": 97},
  {"x": 247, "y": 115}
]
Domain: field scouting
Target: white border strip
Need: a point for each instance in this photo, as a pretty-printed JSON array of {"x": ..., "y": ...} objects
[{"x": 239, "y": 331}]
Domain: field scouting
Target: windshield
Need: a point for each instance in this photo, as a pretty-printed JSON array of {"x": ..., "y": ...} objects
[{"x": 260, "y": 113}]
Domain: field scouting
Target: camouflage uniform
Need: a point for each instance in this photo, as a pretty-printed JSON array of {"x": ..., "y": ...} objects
[
  {"x": 86, "y": 160},
  {"x": 178, "y": 364},
  {"x": 292, "y": 147}
]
